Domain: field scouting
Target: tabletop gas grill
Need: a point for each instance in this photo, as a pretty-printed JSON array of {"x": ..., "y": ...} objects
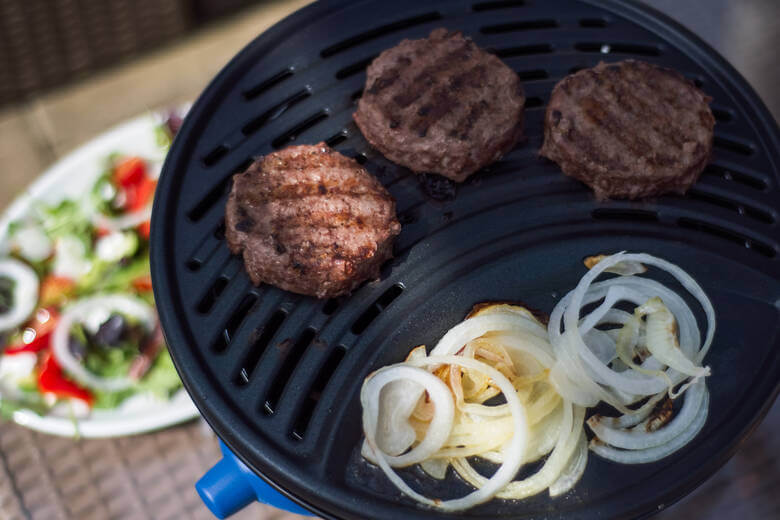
[{"x": 277, "y": 375}]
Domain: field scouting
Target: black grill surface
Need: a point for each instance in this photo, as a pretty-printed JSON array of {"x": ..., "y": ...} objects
[{"x": 278, "y": 375}]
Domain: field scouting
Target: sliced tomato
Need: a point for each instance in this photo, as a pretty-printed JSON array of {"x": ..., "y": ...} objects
[
  {"x": 129, "y": 172},
  {"x": 143, "y": 283},
  {"x": 145, "y": 229},
  {"x": 144, "y": 193},
  {"x": 55, "y": 290},
  {"x": 51, "y": 380},
  {"x": 37, "y": 333}
]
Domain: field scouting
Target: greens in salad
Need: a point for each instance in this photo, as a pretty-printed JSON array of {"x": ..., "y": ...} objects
[{"x": 77, "y": 317}]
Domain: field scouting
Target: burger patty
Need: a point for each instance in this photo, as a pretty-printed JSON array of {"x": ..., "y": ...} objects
[
  {"x": 441, "y": 105},
  {"x": 310, "y": 220},
  {"x": 629, "y": 129}
]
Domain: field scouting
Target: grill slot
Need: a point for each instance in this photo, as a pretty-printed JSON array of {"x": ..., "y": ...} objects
[
  {"x": 215, "y": 194},
  {"x": 356, "y": 95},
  {"x": 214, "y": 156},
  {"x": 274, "y": 112},
  {"x": 355, "y": 68},
  {"x": 618, "y": 48},
  {"x": 330, "y": 306},
  {"x": 264, "y": 337},
  {"x": 263, "y": 86},
  {"x": 732, "y": 145},
  {"x": 293, "y": 133},
  {"x": 593, "y": 23},
  {"x": 534, "y": 102},
  {"x": 533, "y": 75},
  {"x": 722, "y": 115},
  {"x": 493, "y": 6},
  {"x": 219, "y": 231},
  {"x": 376, "y": 308},
  {"x": 314, "y": 394},
  {"x": 629, "y": 214},
  {"x": 732, "y": 236},
  {"x": 211, "y": 198},
  {"x": 739, "y": 207},
  {"x": 212, "y": 294},
  {"x": 336, "y": 139},
  {"x": 234, "y": 322},
  {"x": 525, "y": 25},
  {"x": 292, "y": 355},
  {"x": 736, "y": 176},
  {"x": 206, "y": 249},
  {"x": 524, "y": 50},
  {"x": 354, "y": 41}
]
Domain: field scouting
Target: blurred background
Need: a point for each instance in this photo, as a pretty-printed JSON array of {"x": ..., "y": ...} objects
[{"x": 71, "y": 69}]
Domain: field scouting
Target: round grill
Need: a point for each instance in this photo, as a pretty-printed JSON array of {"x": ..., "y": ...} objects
[{"x": 277, "y": 375}]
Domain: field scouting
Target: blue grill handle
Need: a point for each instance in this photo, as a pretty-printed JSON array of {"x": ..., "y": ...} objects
[{"x": 229, "y": 486}]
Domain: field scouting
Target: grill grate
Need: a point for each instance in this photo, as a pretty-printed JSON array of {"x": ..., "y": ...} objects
[{"x": 278, "y": 375}]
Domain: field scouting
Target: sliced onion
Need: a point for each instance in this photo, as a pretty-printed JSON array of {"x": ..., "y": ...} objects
[
  {"x": 82, "y": 311},
  {"x": 574, "y": 469},
  {"x": 25, "y": 292},
  {"x": 122, "y": 222},
  {"x": 640, "y": 438},
  {"x": 579, "y": 370},
  {"x": 442, "y": 399},
  {"x": 437, "y": 468},
  {"x": 658, "y": 452}
]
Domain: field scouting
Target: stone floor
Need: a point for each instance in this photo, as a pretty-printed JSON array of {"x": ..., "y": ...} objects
[{"x": 35, "y": 134}]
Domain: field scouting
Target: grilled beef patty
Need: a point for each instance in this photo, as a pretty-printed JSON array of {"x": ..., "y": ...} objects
[
  {"x": 310, "y": 220},
  {"x": 441, "y": 105},
  {"x": 629, "y": 129}
]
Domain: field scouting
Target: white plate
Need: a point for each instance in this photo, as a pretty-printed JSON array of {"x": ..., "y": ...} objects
[{"x": 72, "y": 177}]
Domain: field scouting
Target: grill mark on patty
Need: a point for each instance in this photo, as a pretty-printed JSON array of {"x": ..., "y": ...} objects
[
  {"x": 644, "y": 112},
  {"x": 464, "y": 125},
  {"x": 389, "y": 77},
  {"x": 673, "y": 126},
  {"x": 609, "y": 126},
  {"x": 440, "y": 103},
  {"x": 428, "y": 77}
]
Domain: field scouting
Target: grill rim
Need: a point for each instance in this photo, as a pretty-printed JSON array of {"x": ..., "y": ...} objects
[{"x": 191, "y": 369}]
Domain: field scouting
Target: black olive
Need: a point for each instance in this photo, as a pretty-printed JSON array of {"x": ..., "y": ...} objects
[{"x": 111, "y": 332}]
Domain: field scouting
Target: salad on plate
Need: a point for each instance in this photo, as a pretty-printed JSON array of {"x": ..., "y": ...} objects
[{"x": 78, "y": 327}]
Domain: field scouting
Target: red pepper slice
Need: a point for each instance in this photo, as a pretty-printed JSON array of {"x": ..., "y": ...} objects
[
  {"x": 129, "y": 172},
  {"x": 51, "y": 380},
  {"x": 143, "y": 283},
  {"x": 38, "y": 332}
]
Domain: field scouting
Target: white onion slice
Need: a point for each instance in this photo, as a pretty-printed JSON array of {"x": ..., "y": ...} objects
[
  {"x": 639, "y": 438},
  {"x": 122, "y": 222},
  {"x": 514, "y": 452},
  {"x": 83, "y": 311},
  {"x": 477, "y": 326},
  {"x": 25, "y": 292},
  {"x": 574, "y": 469},
  {"x": 658, "y": 452}
]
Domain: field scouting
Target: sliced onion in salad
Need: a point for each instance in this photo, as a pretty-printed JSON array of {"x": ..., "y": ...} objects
[
  {"x": 122, "y": 222},
  {"x": 92, "y": 312},
  {"x": 24, "y": 294}
]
